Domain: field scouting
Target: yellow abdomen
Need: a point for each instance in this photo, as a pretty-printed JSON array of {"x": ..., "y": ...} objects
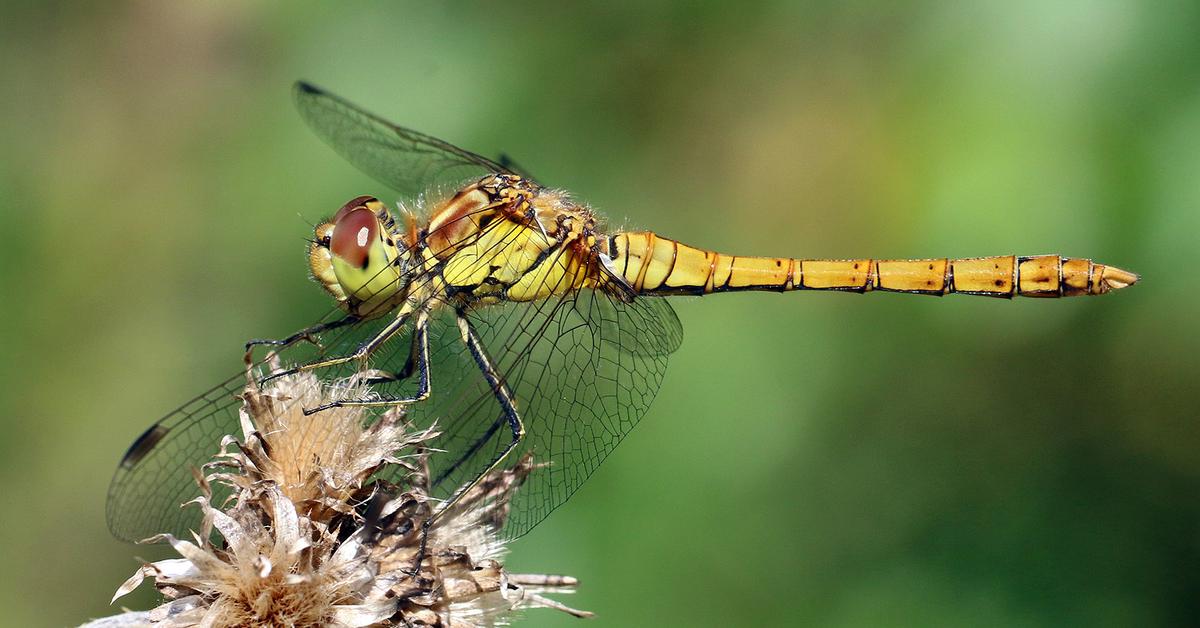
[{"x": 655, "y": 265}]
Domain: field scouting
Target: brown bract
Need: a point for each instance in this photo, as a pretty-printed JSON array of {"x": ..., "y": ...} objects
[{"x": 308, "y": 538}]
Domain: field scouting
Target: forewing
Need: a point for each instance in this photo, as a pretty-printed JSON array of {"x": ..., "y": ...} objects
[
  {"x": 155, "y": 475},
  {"x": 583, "y": 369},
  {"x": 405, "y": 160},
  {"x": 153, "y": 480}
]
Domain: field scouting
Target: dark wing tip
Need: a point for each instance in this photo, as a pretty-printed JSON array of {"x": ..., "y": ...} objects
[
  {"x": 143, "y": 445},
  {"x": 304, "y": 87}
]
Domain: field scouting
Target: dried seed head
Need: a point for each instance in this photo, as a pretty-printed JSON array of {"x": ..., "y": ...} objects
[
  {"x": 321, "y": 462},
  {"x": 310, "y": 539}
]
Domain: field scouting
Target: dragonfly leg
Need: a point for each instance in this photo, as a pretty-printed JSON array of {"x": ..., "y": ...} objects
[
  {"x": 420, "y": 351},
  {"x": 360, "y": 354},
  {"x": 507, "y": 404},
  {"x": 476, "y": 446},
  {"x": 307, "y": 334},
  {"x": 380, "y": 376},
  {"x": 410, "y": 365},
  {"x": 405, "y": 372}
]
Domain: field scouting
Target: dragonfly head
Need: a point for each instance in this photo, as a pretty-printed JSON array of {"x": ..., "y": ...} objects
[{"x": 358, "y": 258}]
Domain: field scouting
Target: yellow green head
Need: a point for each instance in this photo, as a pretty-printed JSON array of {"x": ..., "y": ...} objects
[{"x": 358, "y": 258}]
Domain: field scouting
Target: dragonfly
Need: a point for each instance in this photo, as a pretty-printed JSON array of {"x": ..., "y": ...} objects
[{"x": 505, "y": 312}]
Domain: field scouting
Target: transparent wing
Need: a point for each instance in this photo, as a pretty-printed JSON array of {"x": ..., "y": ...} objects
[
  {"x": 154, "y": 477},
  {"x": 583, "y": 369},
  {"x": 405, "y": 160},
  {"x": 152, "y": 481}
]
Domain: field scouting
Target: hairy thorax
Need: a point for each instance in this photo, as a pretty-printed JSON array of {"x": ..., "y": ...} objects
[{"x": 506, "y": 239}]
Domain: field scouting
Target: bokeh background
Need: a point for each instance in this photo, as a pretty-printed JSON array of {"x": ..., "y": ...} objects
[{"x": 812, "y": 459}]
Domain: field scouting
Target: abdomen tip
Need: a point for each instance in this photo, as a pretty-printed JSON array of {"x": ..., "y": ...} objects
[{"x": 1113, "y": 278}]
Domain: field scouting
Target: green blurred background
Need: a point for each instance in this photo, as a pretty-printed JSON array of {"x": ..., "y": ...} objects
[{"x": 822, "y": 459}]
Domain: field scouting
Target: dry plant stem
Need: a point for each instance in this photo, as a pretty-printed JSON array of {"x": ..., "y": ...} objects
[
  {"x": 311, "y": 537},
  {"x": 128, "y": 619}
]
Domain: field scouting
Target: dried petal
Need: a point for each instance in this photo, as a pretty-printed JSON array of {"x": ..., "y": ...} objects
[
  {"x": 310, "y": 539},
  {"x": 132, "y": 583}
]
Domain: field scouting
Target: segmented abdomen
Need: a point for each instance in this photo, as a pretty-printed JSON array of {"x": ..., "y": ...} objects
[{"x": 652, "y": 264}]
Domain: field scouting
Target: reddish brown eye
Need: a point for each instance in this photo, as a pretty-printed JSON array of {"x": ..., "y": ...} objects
[
  {"x": 353, "y": 205},
  {"x": 353, "y": 235}
]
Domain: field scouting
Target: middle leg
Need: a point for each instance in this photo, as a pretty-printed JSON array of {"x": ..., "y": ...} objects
[{"x": 419, "y": 355}]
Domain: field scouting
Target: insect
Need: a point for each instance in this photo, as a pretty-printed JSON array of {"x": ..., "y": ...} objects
[{"x": 504, "y": 311}]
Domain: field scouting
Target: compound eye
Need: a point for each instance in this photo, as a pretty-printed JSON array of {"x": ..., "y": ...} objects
[
  {"x": 354, "y": 233},
  {"x": 353, "y": 205}
]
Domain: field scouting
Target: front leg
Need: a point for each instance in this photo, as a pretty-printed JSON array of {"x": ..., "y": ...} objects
[
  {"x": 419, "y": 354},
  {"x": 360, "y": 354},
  {"x": 309, "y": 334}
]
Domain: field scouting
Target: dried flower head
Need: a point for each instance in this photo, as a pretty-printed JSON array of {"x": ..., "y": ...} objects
[{"x": 310, "y": 538}]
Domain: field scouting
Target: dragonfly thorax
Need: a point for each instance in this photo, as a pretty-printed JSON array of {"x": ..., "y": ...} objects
[{"x": 358, "y": 258}]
